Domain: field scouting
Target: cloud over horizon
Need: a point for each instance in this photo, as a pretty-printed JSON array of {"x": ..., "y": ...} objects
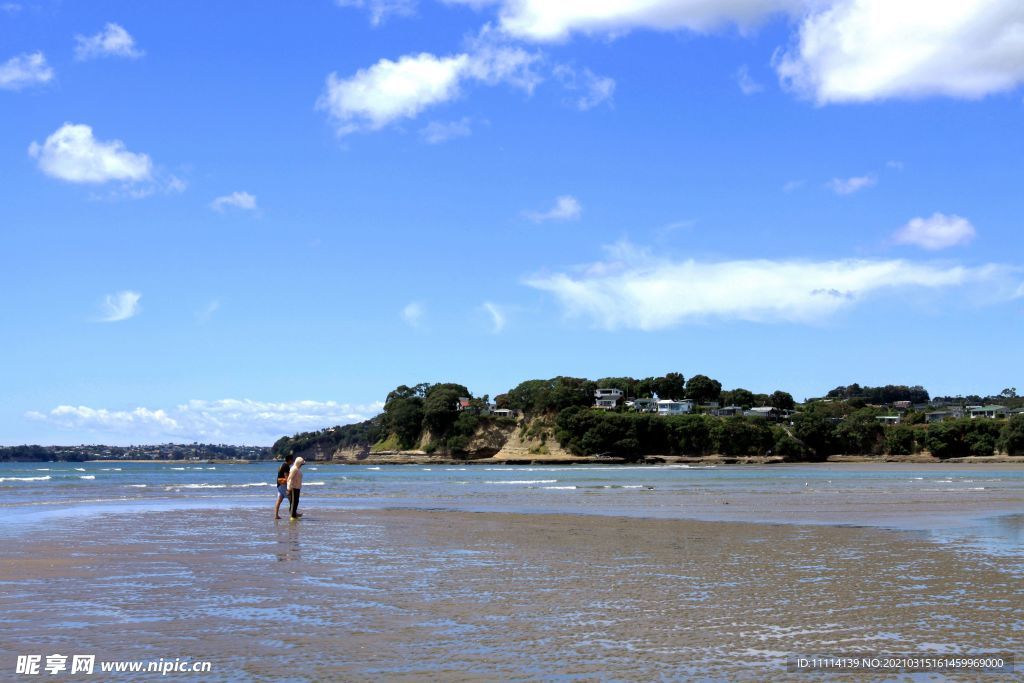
[
  {"x": 226, "y": 420},
  {"x": 635, "y": 290}
]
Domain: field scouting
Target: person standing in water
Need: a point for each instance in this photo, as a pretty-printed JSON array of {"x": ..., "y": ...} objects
[
  {"x": 282, "y": 483},
  {"x": 295, "y": 486}
]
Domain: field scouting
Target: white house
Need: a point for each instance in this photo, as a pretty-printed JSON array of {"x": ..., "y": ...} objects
[
  {"x": 607, "y": 399},
  {"x": 988, "y": 411},
  {"x": 608, "y": 393},
  {"x": 667, "y": 407}
]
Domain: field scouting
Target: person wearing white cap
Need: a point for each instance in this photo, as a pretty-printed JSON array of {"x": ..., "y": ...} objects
[{"x": 294, "y": 485}]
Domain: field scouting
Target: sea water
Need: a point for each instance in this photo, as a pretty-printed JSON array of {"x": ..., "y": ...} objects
[{"x": 979, "y": 502}]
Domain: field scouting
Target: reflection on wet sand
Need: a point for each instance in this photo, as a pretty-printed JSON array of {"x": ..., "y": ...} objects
[{"x": 406, "y": 594}]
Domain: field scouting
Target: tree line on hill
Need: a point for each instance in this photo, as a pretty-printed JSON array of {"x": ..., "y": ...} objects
[{"x": 429, "y": 416}]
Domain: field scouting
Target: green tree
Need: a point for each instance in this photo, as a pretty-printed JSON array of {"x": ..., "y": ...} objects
[
  {"x": 946, "y": 439},
  {"x": 403, "y": 417},
  {"x": 815, "y": 429},
  {"x": 787, "y": 445},
  {"x": 672, "y": 386},
  {"x": 440, "y": 408},
  {"x": 899, "y": 440},
  {"x": 738, "y": 397},
  {"x": 861, "y": 433},
  {"x": 982, "y": 436},
  {"x": 781, "y": 400},
  {"x": 690, "y": 434},
  {"x": 1011, "y": 439},
  {"x": 740, "y": 436},
  {"x": 702, "y": 389}
]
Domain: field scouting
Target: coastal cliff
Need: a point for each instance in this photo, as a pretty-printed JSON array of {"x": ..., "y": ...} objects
[{"x": 566, "y": 419}]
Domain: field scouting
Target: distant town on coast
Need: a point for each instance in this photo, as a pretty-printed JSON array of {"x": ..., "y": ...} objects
[{"x": 625, "y": 419}]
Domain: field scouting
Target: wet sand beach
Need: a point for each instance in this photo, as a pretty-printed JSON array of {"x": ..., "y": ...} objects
[{"x": 419, "y": 594}]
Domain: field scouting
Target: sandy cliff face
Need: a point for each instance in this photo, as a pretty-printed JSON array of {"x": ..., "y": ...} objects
[
  {"x": 490, "y": 439},
  {"x": 316, "y": 452},
  {"x": 532, "y": 440},
  {"x": 524, "y": 440}
]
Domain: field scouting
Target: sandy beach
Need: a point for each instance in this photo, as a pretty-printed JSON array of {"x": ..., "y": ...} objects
[{"x": 415, "y": 594}]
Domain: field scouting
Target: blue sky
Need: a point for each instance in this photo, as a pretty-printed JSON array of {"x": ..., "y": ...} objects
[{"x": 228, "y": 226}]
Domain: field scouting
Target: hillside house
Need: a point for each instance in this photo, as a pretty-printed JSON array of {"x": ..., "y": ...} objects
[
  {"x": 728, "y": 411},
  {"x": 668, "y": 407},
  {"x": 990, "y": 412},
  {"x": 644, "y": 405},
  {"x": 608, "y": 398}
]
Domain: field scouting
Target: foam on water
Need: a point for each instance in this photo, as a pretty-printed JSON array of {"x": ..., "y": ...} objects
[{"x": 25, "y": 478}]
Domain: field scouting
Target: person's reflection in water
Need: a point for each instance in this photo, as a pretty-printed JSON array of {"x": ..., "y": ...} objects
[{"x": 288, "y": 548}]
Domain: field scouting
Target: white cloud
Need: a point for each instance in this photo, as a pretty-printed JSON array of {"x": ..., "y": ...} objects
[
  {"x": 863, "y": 50},
  {"x": 24, "y": 70},
  {"x": 437, "y": 132},
  {"x": 381, "y": 10},
  {"x": 593, "y": 89},
  {"x": 498, "y": 319},
  {"x": 544, "y": 20},
  {"x": 112, "y": 41},
  {"x": 635, "y": 290},
  {"x": 413, "y": 314},
  {"x": 390, "y": 91},
  {"x": 119, "y": 306},
  {"x": 937, "y": 232},
  {"x": 566, "y": 208},
  {"x": 175, "y": 185},
  {"x": 236, "y": 200},
  {"x": 746, "y": 82},
  {"x": 207, "y": 311},
  {"x": 851, "y": 185},
  {"x": 227, "y": 420},
  {"x": 792, "y": 185},
  {"x": 71, "y": 153}
]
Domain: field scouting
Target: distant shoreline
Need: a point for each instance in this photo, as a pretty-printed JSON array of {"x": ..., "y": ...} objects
[{"x": 424, "y": 459}]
